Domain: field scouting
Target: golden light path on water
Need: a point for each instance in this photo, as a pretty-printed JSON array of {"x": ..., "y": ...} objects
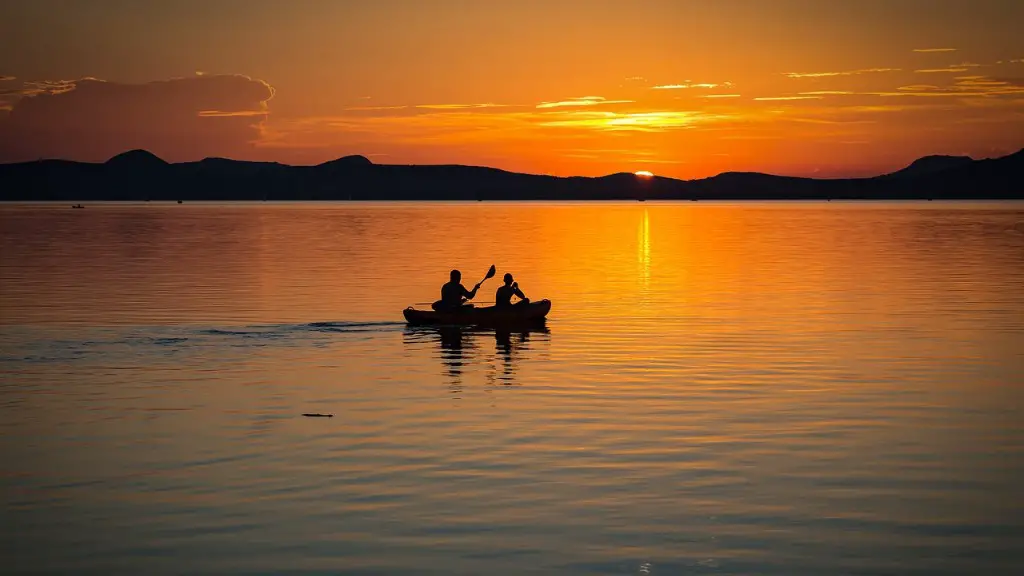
[{"x": 644, "y": 249}]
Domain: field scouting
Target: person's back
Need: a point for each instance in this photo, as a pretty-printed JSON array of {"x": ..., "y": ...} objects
[
  {"x": 453, "y": 292},
  {"x": 504, "y": 294}
]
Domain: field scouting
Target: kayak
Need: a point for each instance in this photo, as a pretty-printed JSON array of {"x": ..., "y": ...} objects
[{"x": 490, "y": 316}]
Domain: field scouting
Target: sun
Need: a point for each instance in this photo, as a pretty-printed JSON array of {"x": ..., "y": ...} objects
[{"x": 643, "y": 174}]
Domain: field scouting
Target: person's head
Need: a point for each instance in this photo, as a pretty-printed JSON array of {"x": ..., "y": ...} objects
[
  {"x": 456, "y": 276},
  {"x": 507, "y": 279}
]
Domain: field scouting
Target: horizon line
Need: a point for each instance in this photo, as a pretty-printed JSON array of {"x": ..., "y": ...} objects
[{"x": 372, "y": 163}]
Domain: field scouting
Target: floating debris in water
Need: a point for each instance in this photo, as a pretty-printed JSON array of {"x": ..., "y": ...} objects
[{"x": 319, "y": 415}]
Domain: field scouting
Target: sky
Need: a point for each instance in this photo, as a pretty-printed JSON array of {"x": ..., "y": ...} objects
[{"x": 680, "y": 88}]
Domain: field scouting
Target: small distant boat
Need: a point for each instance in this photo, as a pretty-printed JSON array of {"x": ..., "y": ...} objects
[
  {"x": 489, "y": 316},
  {"x": 77, "y": 206}
]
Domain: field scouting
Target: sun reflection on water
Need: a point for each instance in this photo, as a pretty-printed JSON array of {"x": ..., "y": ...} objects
[{"x": 644, "y": 249}]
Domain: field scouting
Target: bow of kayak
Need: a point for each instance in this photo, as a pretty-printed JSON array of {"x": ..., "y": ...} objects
[{"x": 489, "y": 316}]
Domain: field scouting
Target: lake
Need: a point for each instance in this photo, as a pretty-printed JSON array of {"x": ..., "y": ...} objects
[{"x": 747, "y": 388}]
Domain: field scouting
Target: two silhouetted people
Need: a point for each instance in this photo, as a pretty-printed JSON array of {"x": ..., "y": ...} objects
[{"x": 454, "y": 295}]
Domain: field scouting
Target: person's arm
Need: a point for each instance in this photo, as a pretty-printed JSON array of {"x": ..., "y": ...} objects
[
  {"x": 470, "y": 294},
  {"x": 518, "y": 292}
]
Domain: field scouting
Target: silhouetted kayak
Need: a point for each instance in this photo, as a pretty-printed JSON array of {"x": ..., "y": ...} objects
[{"x": 490, "y": 316}]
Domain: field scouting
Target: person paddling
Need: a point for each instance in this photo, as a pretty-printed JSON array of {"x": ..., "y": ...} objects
[
  {"x": 454, "y": 294},
  {"x": 503, "y": 297}
]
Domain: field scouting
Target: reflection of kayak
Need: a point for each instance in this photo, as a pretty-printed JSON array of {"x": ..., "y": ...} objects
[{"x": 517, "y": 315}]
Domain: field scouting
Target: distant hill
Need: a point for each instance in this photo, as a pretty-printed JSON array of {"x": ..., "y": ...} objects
[
  {"x": 931, "y": 164},
  {"x": 136, "y": 160},
  {"x": 138, "y": 175}
]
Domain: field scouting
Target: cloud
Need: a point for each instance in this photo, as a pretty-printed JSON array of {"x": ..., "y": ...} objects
[
  {"x": 842, "y": 73},
  {"x": 372, "y": 108},
  {"x": 582, "y": 101},
  {"x": 637, "y": 121},
  {"x": 964, "y": 87},
  {"x": 464, "y": 106},
  {"x": 472, "y": 127},
  {"x": 719, "y": 96},
  {"x": 688, "y": 85},
  {"x": 919, "y": 88},
  {"x": 614, "y": 155},
  {"x": 6, "y": 78},
  {"x": 940, "y": 70},
  {"x": 934, "y": 49},
  {"x": 178, "y": 119},
  {"x": 827, "y": 93},
  {"x": 235, "y": 114},
  {"x": 774, "y": 98}
]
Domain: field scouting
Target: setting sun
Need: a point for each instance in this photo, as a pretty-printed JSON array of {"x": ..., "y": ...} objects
[{"x": 644, "y": 174}]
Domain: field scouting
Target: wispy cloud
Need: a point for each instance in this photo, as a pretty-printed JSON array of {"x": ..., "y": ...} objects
[
  {"x": 639, "y": 121},
  {"x": 719, "y": 96},
  {"x": 619, "y": 151},
  {"x": 464, "y": 106},
  {"x": 6, "y": 78},
  {"x": 842, "y": 73},
  {"x": 618, "y": 155},
  {"x": 934, "y": 49},
  {"x": 984, "y": 82},
  {"x": 230, "y": 114},
  {"x": 685, "y": 86},
  {"x": 53, "y": 87},
  {"x": 776, "y": 98},
  {"x": 750, "y": 137},
  {"x": 941, "y": 70},
  {"x": 827, "y": 93},
  {"x": 583, "y": 101},
  {"x": 473, "y": 126},
  {"x": 373, "y": 108},
  {"x": 964, "y": 87},
  {"x": 831, "y": 121}
]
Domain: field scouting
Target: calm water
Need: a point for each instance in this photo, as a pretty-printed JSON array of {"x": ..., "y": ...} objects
[{"x": 721, "y": 389}]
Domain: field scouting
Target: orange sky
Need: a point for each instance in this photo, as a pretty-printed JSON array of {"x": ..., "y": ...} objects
[{"x": 680, "y": 88}]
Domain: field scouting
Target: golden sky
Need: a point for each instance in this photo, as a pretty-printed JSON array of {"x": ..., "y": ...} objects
[{"x": 680, "y": 88}]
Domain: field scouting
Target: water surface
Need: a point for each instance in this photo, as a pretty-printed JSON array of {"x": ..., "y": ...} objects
[{"x": 789, "y": 388}]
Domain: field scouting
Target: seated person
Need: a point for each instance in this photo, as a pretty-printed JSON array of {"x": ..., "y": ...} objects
[
  {"x": 503, "y": 297},
  {"x": 454, "y": 294}
]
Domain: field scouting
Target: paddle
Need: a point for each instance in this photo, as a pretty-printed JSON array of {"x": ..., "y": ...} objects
[{"x": 490, "y": 274}]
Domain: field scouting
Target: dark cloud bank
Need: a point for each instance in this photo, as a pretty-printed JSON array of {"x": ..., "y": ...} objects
[{"x": 92, "y": 120}]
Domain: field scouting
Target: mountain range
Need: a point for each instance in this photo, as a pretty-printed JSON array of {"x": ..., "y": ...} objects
[{"x": 138, "y": 175}]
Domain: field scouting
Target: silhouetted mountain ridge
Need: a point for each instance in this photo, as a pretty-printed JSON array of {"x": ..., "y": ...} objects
[
  {"x": 138, "y": 175},
  {"x": 931, "y": 164},
  {"x": 354, "y": 160},
  {"x": 137, "y": 159}
]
